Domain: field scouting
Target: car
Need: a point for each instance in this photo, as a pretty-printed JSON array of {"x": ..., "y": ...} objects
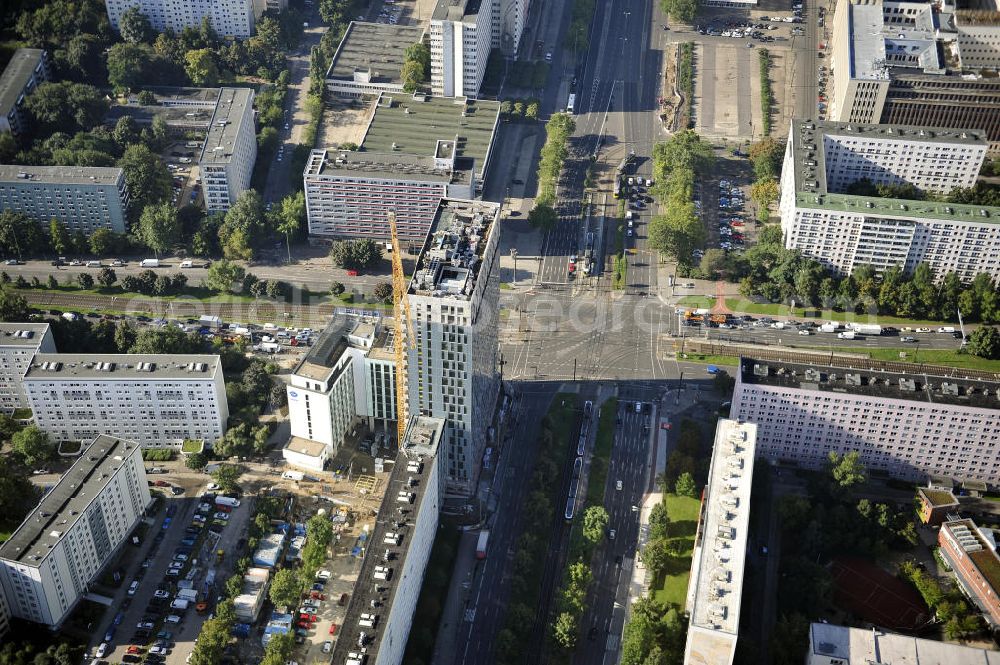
[
  {"x": 133, "y": 587},
  {"x": 161, "y": 594},
  {"x": 176, "y": 565},
  {"x": 180, "y": 557},
  {"x": 618, "y": 486},
  {"x": 304, "y": 624},
  {"x": 922, "y": 330},
  {"x": 318, "y": 586},
  {"x": 173, "y": 618},
  {"x": 173, "y": 572},
  {"x": 323, "y": 575},
  {"x": 164, "y": 635},
  {"x": 804, "y": 332},
  {"x": 13, "y": 262},
  {"x": 145, "y": 625},
  {"x": 611, "y": 534},
  {"x": 158, "y": 651},
  {"x": 908, "y": 339},
  {"x": 327, "y": 646},
  {"x": 221, "y": 516},
  {"x": 309, "y": 617},
  {"x": 135, "y": 649},
  {"x": 211, "y": 488},
  {"x": 958, "y": 335},
  {"x": 176, "y": 491},
  {"x": 306, "y": 609},
  {"x": 102, "y": 650},
  {"x": 128, "y": 658}
]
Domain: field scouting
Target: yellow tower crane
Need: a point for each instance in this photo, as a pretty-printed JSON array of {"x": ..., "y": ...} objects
[{"x": 401, "y": 312}]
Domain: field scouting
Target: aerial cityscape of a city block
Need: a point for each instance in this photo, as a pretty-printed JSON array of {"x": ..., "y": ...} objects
[{"x": 500, "y": 332}]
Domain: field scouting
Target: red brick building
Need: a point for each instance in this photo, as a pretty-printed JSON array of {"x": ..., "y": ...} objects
[
  {"x": 935, "y": 504},
  {"x": 976, "y": 564}
]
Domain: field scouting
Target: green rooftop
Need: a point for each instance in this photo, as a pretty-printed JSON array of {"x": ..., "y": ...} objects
[
  {"x": 905, "y": 208},
  {"x": 414, "y": 125},
  {"x": 938, "y": 497}
]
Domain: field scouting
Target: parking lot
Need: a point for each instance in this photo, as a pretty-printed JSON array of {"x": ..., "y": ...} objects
[
  {"x": 182, "y": 549},
  {"x": 181, "y": 159},
  {"x": 721, "y": 202}
]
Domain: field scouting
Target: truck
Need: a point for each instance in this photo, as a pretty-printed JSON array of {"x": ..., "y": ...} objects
[
  {"x": 269, "y": 347},
  {"x": 829, "y": 327},
  {"x": 227, "y": 501},
  {"x": 293, "y": 475},
  {"x": 189, "y": 595},
  {"x": 179, "y": 604},
  {"x": 847, "y": 334},
  {"x": 484, "y": 537},
  {"x": 865, "y": 328},
  {"x": 149, "y": 263}
]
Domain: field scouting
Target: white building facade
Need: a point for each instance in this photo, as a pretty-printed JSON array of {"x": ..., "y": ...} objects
[
  {"x": 230, "y": 150},
  {"x": 843, "y": 230},
  {"x": 229, "y": 18},
  {"x": 19, "y": 342},
  {"x": 321, "y": 405},
  {"x": 908, "y": 427},
  {"x": 157, "y": 400},
  {"x": 461, "y": 35},
  {"x": 49, "y": 561},
  {"x": 452, "y": 362},
  {"x": 81, "y": 198}
]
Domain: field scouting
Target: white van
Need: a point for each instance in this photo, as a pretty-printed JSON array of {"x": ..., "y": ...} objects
[
  {"x": 149, "y": 263},
  {"x": 187, "y": 264},
  {"x": 93, "y": 264}
]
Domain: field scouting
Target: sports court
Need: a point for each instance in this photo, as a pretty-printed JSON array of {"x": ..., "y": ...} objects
[{"x": 868, "y": 591}]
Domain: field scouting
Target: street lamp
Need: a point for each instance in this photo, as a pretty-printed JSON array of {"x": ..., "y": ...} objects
[{"x": 513, "y": 255}]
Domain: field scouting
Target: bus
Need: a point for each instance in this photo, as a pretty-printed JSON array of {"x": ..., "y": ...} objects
[{"x": 571, "y": 104}]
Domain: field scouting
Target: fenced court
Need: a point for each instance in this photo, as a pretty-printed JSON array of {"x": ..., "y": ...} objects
[{"x": 868, "y": 591}]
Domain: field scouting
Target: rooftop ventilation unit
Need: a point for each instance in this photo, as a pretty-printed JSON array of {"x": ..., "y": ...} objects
[
  {"x": 950, "y": 389},
  {"x": 907, "y": 385},
  {"x": 760, "y": 369}
]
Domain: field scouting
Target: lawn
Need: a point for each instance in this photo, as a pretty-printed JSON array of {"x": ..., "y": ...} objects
[
  {"x": 946, "y": 357},
  {"x": 698, "y": 302},
  {"x": 709, "y": 359},
  {"x": 192, "y": 446},
  {"x": 742, "y": 306},
  {"x": 602, "y": 453},
  {"x": 671, "y": 586}
]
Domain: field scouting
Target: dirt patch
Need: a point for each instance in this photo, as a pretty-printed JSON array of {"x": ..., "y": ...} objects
[{"x": 345, "y": 121}]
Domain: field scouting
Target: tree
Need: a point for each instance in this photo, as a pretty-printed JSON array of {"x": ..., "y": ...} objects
[
  {"x": 102, "y": 241},
  {"x": 595, "y": 521},
  {"x": 146, "y": 98},
  {"x": 32, "y": 446},
  {"x": 196, "y": 461},
  {"x": 244, "y": 220},
  {"x": 656, "y": 555},
  {"x": 985, "y": 342},
  {"x": 412, "y": 75},
  {"x": 236, "y": 442},
  {"x": 685, "y": 486},
  {"x": 337, "y": 288},
  {"x": 83, "y": 58},
  {"x": 227, "y": 475},
  {"x": 200, "y": 67},
  {"x": 420, "y": 53},
  {"x": 564, "y": 630},
  {"x": 86, "y": 280},
  {"x": 134, "y": 26},
  {"x": 53, "y": 105},
  {"x": 107, "y": 277},
  {"x": 383, "y": 292},
  {"x": 58, "y": 236},
  {"x": 159, "y": 228},
  {"x": 125, "y": 131},
  {"x": 355, "y": 254},
  {"x": 285, "y": 588},
  {"x": 146, "y": 176},
  {"x": 531, "y": 110},
  {"x": 846, "y": 470},
  {"x": 764, "y": 192},
  {"x": 225, "y": 276},
  {"x": 543, "y": 216},
  {"x": 13, "y": 306},
  {"x": 659, "y": 521},
  {"x": 682, "y": 11},
  {"x": 291, "y": 214}
]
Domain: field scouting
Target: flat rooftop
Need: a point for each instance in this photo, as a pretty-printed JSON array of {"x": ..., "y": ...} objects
[
  {"x": 867, "y": 42},
  {"x": 170, "y": 96},
  {"x": 387, "y": 165},
  {"x": 978, "y": 549},
  {"x": 233, "y": 105},
  {"x": 306, "y": 447},
  {"x": 455, "y": 10},
  {"x": 322, "y": 356},
  {"x": 720, "y": 548},
  {"x": 16, "y": 75},
  {"x": 809, "y": 157},
  {"x": 415, "y": 459},
  {"x": 66, "y": 503},
  {"x": 937, "y": 497},
  {"x": 197, "y": 117},
  {"x": 27, "y": 335},
  {"x": 119, "y": 366},
  {"x": 911, "y": 386},
  {"x": 863, "y": 645},
  {"x": 60, "y": 175},
  {"x": 450, "y": 260},
  {"x": 376, "y": 48}
]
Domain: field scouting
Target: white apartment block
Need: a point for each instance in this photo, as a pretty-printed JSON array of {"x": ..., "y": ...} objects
[
  {"x": 830, "y": 644},
  {"x": 905, "y": 426},
  {"x": 454, "y": 307},
  {"x": 27, "y": 69},
  {"x": 509, "y": 19},
  {"x": 715, "y": 592},
  {"x": 157, "y": 400},
  {"x": 416, "y": 150},
  {"x": 843, "y": 231},
  {"x": 81, "y": 198},
  {"x": 19, "y": 342},
  {"x": 230, "y": 150},
  {"x": 48, "y": 563},
  {"x": 461, "y": 34},
  {"x": 229, "y": 18},
  {"x": 348, "y": 374},
  {"x": 384, "y": 600},
  {"x": 977, "y": 31}
]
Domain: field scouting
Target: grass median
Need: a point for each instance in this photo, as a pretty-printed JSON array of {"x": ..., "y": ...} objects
[{"x": 670, "y": 586}]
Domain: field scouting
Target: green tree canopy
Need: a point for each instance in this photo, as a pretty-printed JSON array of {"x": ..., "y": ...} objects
[
  {"x": 225, "y": 276},
  {"x": 134, "y": 26},
  {"x": 227, "y": 476},
  {"x": 32, "y": 446},
  {"x": 846, "y": 470},
  {"x": 159, "y": 228},
  {"x": 595, "y": 521},
  {"x": 53, "y": 104},
  {"x": 355, "y": 254},
  {"x": 146, "y": 175},
  {"x": 985, "y": 342}
]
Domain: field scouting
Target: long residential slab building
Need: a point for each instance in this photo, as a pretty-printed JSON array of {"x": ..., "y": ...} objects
[
  {"x": 230, "y": 150},
  {"x": 416, "y": 150},
  {"x": 229, "y": 18},
  {"x": 157, "y": 400},
  {"x": 65, "y": 543},
  {"x": 81, "y": 198},
  {"x": 19, "y": 342},
  {"x": 843, "y": 230},
  {"x": 906, "y": 425},
  {"x": 28, "y": 68}
]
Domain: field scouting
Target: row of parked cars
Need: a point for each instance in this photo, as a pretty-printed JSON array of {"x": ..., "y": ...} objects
[{"x": 308, "y": 613}]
